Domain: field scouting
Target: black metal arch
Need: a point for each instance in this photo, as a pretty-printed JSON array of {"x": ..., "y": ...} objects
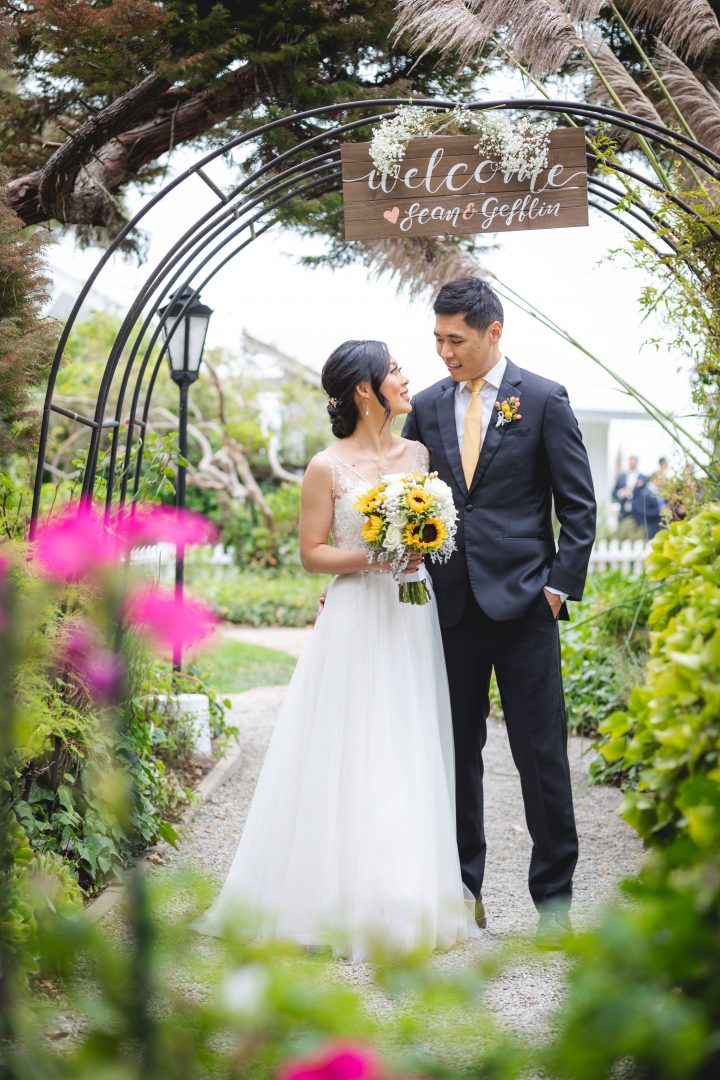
[{"x": 239, "y": 216}]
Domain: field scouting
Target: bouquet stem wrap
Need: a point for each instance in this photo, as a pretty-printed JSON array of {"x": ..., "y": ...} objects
[{"x": 413, "y": 587}]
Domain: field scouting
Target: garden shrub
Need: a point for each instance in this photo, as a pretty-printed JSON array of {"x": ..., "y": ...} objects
[
  {"x": 34, "y": 888},
  {"x": 285, "y": 597},
  {"x": 670, "y": 731},
  {"x": 254, "y": 543},
  {"x": 603, "y": 651},
  {"x": 75, "y": 761},
  {"x": 66, "y": 798},
  {"x": 643, "y": 997}
]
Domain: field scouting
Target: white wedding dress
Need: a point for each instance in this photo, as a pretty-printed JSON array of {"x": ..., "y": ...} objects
[{"x": 350, "y": 838}]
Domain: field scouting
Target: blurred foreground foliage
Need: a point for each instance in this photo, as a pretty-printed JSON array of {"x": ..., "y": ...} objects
[{"x": 147, "y": 997}]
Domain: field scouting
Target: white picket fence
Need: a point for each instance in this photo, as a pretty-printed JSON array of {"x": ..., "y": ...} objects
[
  {"x": 626, "y": 555},
  {"x": 158, "y": 560}
]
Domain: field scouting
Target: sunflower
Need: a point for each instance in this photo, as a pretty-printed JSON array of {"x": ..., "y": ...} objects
[
  {"x": 419, "y": 500},
  {"x": 370, "y": 500},
  {"x": 371, "y": 528},
  {"x": 428, "y": 535}
]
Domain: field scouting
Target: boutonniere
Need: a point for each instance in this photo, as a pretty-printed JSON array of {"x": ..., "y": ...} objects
[{"x": 507, "y": 411}]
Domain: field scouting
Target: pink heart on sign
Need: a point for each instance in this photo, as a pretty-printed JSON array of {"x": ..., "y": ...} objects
[{"x": 392, "y": 215}]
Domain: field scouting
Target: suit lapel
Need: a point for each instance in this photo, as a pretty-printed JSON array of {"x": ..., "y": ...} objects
[
  {"x": 494, "y": 435},
  {"x": 448, "y": 430}
]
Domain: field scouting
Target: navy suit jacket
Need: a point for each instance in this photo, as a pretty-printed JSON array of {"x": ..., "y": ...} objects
[{"x": 506, "y": 549}]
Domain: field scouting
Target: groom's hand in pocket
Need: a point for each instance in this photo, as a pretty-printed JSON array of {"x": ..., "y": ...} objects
[{"x": 554, "y": 601}]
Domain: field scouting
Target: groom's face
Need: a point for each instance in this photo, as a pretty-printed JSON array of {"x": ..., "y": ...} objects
[{"x": 467, "y": 353}]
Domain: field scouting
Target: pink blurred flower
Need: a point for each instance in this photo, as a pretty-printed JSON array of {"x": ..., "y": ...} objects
[
  {"x": 74, "y": 543},
  {"x": 98, "y": 667},
  {"x": 153, "y": 524},
  {"x": 170, "y": 622},
  {"x": 339, "y": 1061}
]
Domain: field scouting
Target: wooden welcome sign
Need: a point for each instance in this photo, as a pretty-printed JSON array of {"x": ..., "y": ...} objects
[{"x": 446, "y": 186}]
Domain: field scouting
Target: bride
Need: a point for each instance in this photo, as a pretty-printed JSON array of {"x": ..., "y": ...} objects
[{"x": 350, "y": 838}]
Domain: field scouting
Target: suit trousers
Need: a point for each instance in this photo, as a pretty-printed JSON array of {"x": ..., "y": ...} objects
[{"x": 525, "y": 654}]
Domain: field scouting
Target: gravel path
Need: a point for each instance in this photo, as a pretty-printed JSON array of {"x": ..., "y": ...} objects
[{"x": 525, "y": 995}]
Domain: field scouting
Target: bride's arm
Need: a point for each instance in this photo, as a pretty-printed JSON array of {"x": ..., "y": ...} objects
[{"x": 316, "y": 514}]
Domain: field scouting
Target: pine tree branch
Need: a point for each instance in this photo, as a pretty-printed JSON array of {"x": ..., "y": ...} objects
[{"x": 104, "y": 154}]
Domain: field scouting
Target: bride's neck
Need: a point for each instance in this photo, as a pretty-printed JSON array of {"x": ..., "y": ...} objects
[{"x": 367, "y": 436}]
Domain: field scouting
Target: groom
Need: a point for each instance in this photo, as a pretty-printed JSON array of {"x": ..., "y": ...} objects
[{"x": 500, "y": 594}]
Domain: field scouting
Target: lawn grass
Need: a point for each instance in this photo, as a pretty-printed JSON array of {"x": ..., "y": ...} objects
[{"x": 234, "y": 666}]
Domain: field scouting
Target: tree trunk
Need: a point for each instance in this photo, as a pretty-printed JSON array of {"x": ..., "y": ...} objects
[{"x": 78, "y": 182}]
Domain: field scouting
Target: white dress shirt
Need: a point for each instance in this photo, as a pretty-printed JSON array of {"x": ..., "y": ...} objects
[{"x": 489, "y": 395}]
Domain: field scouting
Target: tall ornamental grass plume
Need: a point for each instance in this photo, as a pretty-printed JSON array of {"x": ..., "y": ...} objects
[{"x": 26, "y": 338}]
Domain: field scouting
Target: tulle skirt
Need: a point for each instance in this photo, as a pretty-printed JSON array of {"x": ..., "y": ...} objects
[{"x": 350, "y": 838}]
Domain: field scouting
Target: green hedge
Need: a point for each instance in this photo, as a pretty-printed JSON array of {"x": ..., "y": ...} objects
[
  {"x": 604, "y": 649},
  {"x": 670, "y": 731},
  {"x": 286, "y": 597}
]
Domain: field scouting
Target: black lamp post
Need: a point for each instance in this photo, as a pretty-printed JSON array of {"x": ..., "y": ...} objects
[{"x": 184, "y": 322}]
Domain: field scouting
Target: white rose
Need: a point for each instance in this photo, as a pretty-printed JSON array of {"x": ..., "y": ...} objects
[
  {"x": 394, "y": 490},
  {"x": 439, "y": 490},
  {"x": 393, "y": 538}
]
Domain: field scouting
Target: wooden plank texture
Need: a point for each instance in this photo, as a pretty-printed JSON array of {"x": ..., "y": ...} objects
[{"x": 446, "y": 187}]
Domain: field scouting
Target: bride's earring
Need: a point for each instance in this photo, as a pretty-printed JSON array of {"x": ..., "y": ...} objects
[{"x": 367, "y": 409}]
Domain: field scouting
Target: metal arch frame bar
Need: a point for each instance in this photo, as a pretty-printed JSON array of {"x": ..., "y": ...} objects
[
  {"x": 135, "y": 309},
  {"x": 197, "y": 289},
  {"x": 637, "y": 209},
  {"x": 294, "y": 151},
  {"x": 677, "y": 143},
  {"x": 328, "y": 155},
  {"x": 148, "y": 354},
  {"x": 251, "y": 200},
  {"x": 268, "y": 190}
]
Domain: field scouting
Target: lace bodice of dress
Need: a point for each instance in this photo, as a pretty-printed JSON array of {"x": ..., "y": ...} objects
[{"x": 348, "y": 483}]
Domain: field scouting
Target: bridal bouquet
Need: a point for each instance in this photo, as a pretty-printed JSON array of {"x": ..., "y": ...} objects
[{"x": 406, "y": 513}]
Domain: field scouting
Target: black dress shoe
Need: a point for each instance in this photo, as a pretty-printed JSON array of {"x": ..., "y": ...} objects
[
  {"x": 480, "y": 917},
  {"x": 554, "y": 927}
]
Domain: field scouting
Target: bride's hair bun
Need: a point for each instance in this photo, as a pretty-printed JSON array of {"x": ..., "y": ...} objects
[{"x": 351, "y": 363}]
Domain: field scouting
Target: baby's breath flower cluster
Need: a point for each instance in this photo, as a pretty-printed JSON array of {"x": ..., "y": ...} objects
[
  {"x": 390, "y": 139},
  {"x": 405, "y": 513},
  {"x": 521, "y": 148}
]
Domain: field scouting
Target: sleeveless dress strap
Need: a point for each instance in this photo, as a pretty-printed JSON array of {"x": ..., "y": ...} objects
[{"x": 422, "y": 458}]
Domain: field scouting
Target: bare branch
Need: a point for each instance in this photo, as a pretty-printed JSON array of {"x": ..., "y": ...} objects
[
  {"x": 83, "y": 198},
  {"x": 57, "y": 180}
]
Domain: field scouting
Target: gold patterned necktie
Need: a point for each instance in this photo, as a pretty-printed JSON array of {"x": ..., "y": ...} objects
[{"x": 472, "y": 432}]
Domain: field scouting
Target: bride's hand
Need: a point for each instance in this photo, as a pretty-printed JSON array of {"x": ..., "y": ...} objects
[
  {"x": 414, "y": 562},
  {"x": 321, "y": 602}
]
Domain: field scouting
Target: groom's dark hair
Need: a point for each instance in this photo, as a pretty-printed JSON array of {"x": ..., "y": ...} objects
[{"x": 471, "y": 298}]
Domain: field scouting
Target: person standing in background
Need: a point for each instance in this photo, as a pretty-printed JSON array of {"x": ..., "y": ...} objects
[{"x": 625, "y": 487}]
